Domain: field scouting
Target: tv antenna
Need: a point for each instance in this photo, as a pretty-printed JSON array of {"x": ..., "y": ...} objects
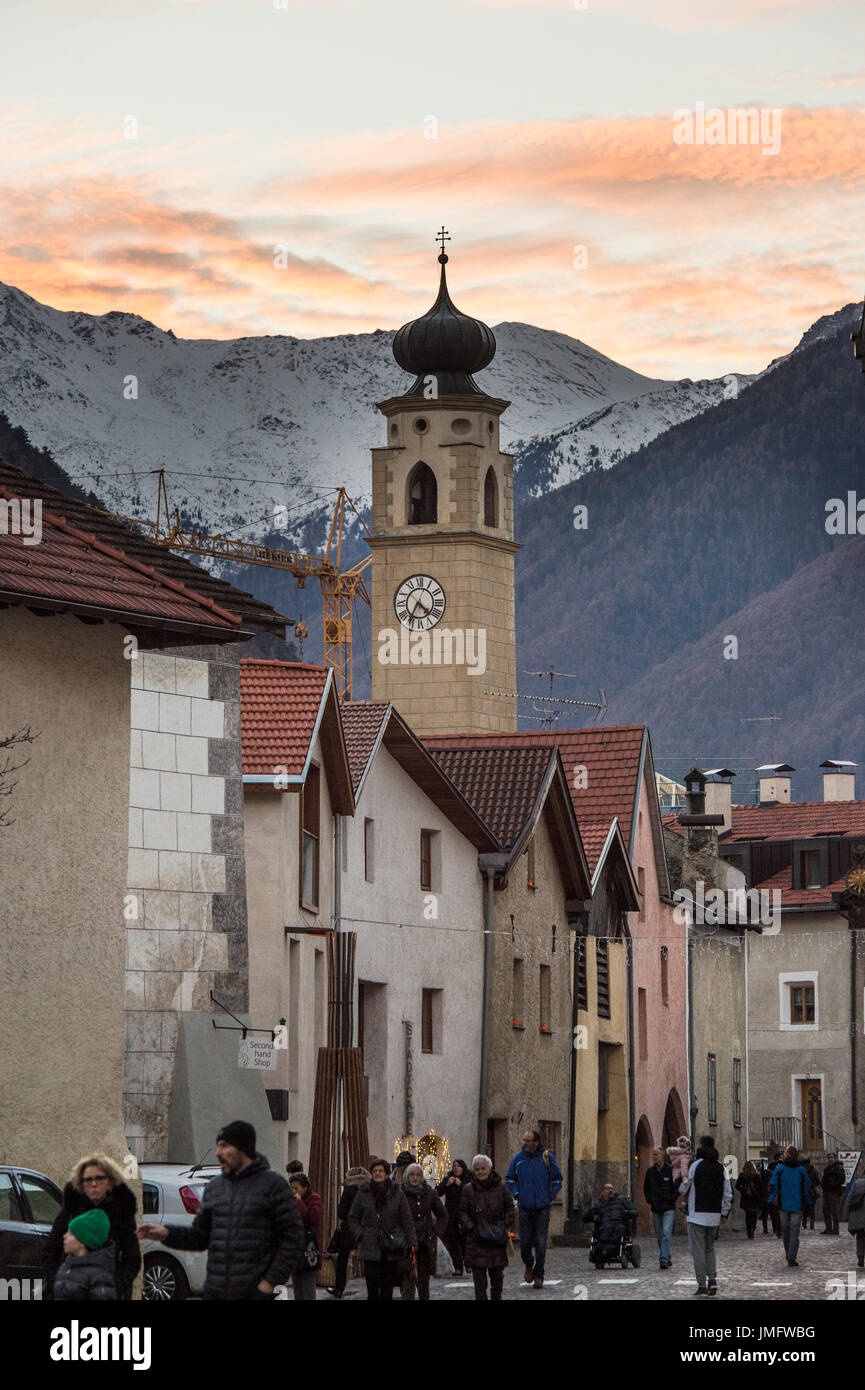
[
  {"x": 765, "y": 719},
  {"x": 549, "y": 717}
]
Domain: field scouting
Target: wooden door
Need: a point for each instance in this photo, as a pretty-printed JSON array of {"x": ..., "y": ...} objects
[{"x": 812, "y": 1114}]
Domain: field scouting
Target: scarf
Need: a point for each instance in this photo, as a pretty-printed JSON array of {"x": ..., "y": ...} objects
[{"x": 380, "y": 1192}]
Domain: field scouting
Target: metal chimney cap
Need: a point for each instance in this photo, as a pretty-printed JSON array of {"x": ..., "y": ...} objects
[
  {"x": 838, "y": 763},
  {"x": 722, "y": 772},
  {"x": 775, "y": 767}
]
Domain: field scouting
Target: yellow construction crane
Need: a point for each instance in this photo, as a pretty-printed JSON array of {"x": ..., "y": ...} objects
[{"x": 338, "y": 589}]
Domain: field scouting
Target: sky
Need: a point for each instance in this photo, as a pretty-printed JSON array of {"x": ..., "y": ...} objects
[{"x": 242, "y": 167}]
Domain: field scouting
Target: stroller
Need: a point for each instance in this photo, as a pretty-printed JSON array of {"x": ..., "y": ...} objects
[{"x": 614, "y": 1247}]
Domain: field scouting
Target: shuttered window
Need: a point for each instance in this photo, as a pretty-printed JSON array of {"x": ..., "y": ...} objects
[
  {"x": 712, "y": 1089},
  {"x": 603, "y": 1076},
  {"x": 603, "y": 966},
  {"x": 309, "y": 840},
  {"x": 582, "y": 981}
]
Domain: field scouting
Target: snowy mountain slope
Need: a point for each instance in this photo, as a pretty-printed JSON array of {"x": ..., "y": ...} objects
[{"x": 247, "y": 425}]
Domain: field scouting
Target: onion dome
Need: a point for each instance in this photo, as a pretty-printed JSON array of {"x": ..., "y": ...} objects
[{"x": 444, "y": 344}]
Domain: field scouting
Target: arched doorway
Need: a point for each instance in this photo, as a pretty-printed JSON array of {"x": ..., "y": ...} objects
[
  {"x": 644, "y": 1144},
  {"x": 674, "y": 1120}
]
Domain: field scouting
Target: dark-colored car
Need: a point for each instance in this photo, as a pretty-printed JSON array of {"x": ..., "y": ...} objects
[{"x": 29, "y": 1202}]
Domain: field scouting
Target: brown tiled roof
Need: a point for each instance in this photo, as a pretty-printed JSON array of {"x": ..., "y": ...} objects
[
  {"x": 593, "y": 834},
  {"x": 797, "y": 820},
  {"x": 502, "y": 784},
  {"x": 279, "y": 707},
  {"x": 800, "y": 897},
  {"x": 361, "y": 722},
  {"x": 127, "y": 548}
]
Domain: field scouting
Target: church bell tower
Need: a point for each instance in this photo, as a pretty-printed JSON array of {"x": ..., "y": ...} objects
[{"x": 443, "y": 534}]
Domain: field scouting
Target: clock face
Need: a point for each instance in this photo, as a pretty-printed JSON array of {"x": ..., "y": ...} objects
[{"x": 419, "y": 602}]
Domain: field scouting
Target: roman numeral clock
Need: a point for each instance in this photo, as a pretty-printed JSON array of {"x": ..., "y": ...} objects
[{"x": 443, "y": 532}]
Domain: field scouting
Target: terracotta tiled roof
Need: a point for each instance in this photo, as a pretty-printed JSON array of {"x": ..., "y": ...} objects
[
  {"x": 361, "y": 722},
  {"x": 593, "y": 834},
  {"x": 611, "y": 757},
  {"x": 797, "y": 820},
  {"x": 279, "y": 707},
  {"x": 800, "y": 897},
  {"x": 69, "y": 568},
  {"x": 502, "y": 784}
]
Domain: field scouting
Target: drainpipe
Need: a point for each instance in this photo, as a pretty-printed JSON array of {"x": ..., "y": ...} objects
[
  {"x": 490, "y": 865},
  {"x": 632, "y": 1115},
  {"x": 694, "y": 1108},
  {"x": 854, "y": 1107},
  {"x": 580, "y": 924},
  {"x": 747, "y": 946}
]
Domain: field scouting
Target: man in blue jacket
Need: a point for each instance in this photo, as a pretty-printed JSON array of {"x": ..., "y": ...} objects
[
  {"x": 535, "y": 1180},
  {"x": 790, "y": 1189}
]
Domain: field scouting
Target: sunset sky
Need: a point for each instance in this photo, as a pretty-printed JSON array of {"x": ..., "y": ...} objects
[{"x": 304, "y": 124}]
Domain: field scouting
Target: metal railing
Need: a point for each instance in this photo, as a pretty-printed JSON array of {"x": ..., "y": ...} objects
[{"x": 781, "y": 1130}]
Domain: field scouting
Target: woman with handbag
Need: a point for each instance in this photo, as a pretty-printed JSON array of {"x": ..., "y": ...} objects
[
  {"x": 381, "y": 1227},
  {"x": 429, "y": 1219},
  {"x": 486, "y": 1214},
  {"x": 450, "y": 1190},
  {"x": 311, "y": 1209},
  {"x": 342, "y": 1242}
]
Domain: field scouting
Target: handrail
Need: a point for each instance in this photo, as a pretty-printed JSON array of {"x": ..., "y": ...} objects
[{"x": 781, "y": 1130}]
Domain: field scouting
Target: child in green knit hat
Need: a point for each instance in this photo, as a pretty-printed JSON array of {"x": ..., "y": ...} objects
[{"x": 88, "y": 1271}]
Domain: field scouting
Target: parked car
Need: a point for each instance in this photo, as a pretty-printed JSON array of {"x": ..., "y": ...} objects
[
  {"x": 171, "y": 1196},
  {"x": 29, "y": 1202}
]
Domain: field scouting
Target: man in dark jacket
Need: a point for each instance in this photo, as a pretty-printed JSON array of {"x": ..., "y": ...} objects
[
  {"x": 833, "y": 1183},
  {"x": 709, "y": 1197},
  {"x": 535, "y": 1181},
  {"x": 659, "y": 1191},
  {"x": 248, "y": 1223},
  {"x": 790, "y": 1190},
  {"x": 614, "y": 1216}
]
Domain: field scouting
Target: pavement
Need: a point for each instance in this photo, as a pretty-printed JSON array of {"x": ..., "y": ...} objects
[{"x": 753, "y": 1270}]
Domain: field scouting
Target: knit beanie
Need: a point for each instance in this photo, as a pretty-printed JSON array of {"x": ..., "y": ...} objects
[
  {"x": 91, "y": 1228},
  {"x": 240, "y": 1134}
]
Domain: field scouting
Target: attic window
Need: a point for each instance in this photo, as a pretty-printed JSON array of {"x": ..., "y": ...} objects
[{"x": 811, "y": 876}]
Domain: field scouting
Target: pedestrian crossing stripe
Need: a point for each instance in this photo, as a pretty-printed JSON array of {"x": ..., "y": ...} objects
[
  {"x": 774, "y": 1284},
  {"x": 618, "y": 1281}
]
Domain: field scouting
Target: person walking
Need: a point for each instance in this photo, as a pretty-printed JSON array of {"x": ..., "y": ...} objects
[
  {"x": 486, "y": 1215},
  {"x": 790, "y": 1189},
  {"x": 854, "y": 1214},
  {"x": 89, "y": 1270},
  {"x": 814, "y": 1180},
  {"x": 401, "y": 1163},
  {"x": 774, "y": 1213},
  {"x": 342, "y": 1242},
  {"x": 750, "y": 1190},
  {"x": 709, "y": 1199},
  {"x": 450, "y": 1190},
  {"x": 429, "y": 1220},
  {"x": 248, "y": 1223},
  {"x": 659, "y": 1191},
  {"x": 535, "y": 1180},
  {"x": 97, "y": 1183},
  {"x": 833, "y": 1183},
  {"x": 382, "y": 1230},
  {"x": 311, "y": 1209}
]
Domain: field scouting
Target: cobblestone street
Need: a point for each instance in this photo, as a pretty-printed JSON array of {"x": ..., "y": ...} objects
[{"x": 751, "y": 1270}]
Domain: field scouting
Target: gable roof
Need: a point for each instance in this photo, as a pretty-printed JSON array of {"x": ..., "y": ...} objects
[
  {"x": 95, "y": 566},
  {"x": 796, "y": 820},
  {"x": 284, "y": 707},
  {"x": 369, "y": 724}
]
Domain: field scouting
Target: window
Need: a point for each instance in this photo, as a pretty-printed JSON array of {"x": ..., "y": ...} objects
[
  {"x": 551, "y": 1135},
  {"x": 309, "y": 840},
  {"x": 665, "y": 975},
  {"x": 430, "y": 1020},
  {"x": 582, "y": 980},
  {"x": 517, "y": 977},
  {"x": 801, "y": 1003},
  {"x": 811, "y": 875},
  {"x": 603, "y": 969},
  {"x": 737, "y": 1092},
  {"x": 44, "y": 1201},
  {"x": 642, "y": 1025},
  {"x": 545, "y": 988},
  {"x": 422, "y": 496},
  {"x": 426, "y": 842},
  {"x": 149, "y": 1199},
  {"x": 369, "y": 850},
  {"x": 491, "y": 498},
  {"x": 641, "y": 884},
  {"x": 10, "y": 1204},
  {"x": 531, "y": 881},
  {"x": 712, "y": 1089},
  {"x": 603, "y": 1076}
]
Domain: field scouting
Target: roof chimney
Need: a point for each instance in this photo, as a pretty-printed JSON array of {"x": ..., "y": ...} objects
[
  {"x": 774, "y": 782},
  {"x": 719, "y": 794},
  {"x": 839, "y": 780}
]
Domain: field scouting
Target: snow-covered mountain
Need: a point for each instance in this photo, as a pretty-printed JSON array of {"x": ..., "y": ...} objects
[{"x": 250, "y": 425}]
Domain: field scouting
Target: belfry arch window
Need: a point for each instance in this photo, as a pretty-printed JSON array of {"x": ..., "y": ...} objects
[
  {"x": 422, "y": 496},
  {"x": 491, "y": 498}
]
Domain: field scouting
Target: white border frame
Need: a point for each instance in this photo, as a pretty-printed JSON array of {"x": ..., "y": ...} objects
[{"x": 796, "y": 977}]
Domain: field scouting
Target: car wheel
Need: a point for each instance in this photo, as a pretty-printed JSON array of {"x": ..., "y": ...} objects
[{"x": 164, "y": 1280}]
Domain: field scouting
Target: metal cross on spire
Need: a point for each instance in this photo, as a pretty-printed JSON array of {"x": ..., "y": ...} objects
[{"x": 443, "y": 236}]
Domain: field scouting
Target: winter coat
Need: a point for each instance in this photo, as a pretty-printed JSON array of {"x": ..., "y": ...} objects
[
  {"x": 344, "y": 1238},
  {"x": 853, "y": 1211},
  {"x": 659, "y": 1189},
  {"x": 789, "y": 1187},
  {"x": 250, "y": 1227},
  {"x": 613, "y": 1218},
  {"x": 535, "y": 1180},
  {"x": 450, "y": 1193},
  {"x": 311, "y": 1210},
  {"x": 119, "y": 1207},
  {"x": 428, "y": 1215},
  {"x": 364, "y": 1217},
  {"x": 834, "y": 1178},
  {"x": 90, "y": 1276},
  {"x": 750, "y": 1192},
  {"x": 680, "y": 1161},
  {"x": 492, "y": 1200}
]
